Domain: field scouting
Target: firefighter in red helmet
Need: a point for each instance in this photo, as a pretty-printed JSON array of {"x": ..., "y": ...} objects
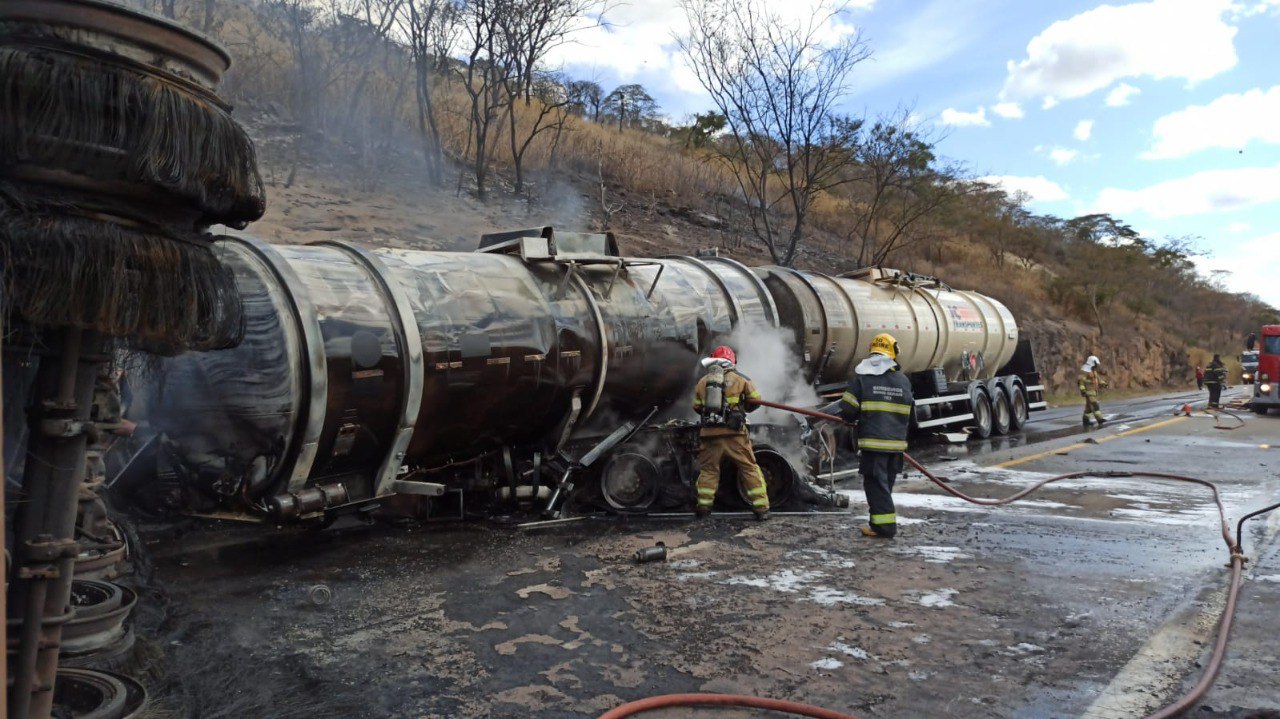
[{"x": 721, "y": 402}]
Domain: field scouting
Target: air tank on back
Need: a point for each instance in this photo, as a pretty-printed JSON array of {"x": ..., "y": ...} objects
[{"x": 359, "y": 365}]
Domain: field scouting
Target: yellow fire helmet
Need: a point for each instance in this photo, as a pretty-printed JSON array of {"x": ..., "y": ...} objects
[{"x": 885, "y": 344}]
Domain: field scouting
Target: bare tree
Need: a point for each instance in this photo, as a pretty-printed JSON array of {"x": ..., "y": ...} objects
[
  {"x": 430, "y": 26},
  {"x": 900, "y": 184},
  {"x": 778, "y": 85},
  {"x": 529, "y": 30},
  {"x": 483, "y": 78}
]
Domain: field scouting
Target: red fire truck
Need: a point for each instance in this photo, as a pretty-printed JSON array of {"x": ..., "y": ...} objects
[{"x": 1266, "y": 388}]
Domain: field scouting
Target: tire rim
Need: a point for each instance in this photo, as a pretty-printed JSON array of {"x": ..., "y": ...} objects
[
  {"x": 982, "y": 414},
  {"x": 629, "y": 482},
  {"x": 1019, "y": 407}
]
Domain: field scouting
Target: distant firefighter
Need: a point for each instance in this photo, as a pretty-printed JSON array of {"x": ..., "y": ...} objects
[
  {"x": 1215, "y": 378},
  {"x": 1199, "y": 377},
  {"x": 720, "y": 400},
  {"x": 1090, "y": 382},
  {"x": 879, "y": 398}
]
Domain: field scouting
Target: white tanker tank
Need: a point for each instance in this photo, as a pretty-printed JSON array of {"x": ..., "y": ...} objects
[
  {"x": 366, "y": 373},
  {"x": 966, "y": 334}
]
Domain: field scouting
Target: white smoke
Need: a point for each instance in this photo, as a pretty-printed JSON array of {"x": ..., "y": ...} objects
[{"x": 769, "y": 356}]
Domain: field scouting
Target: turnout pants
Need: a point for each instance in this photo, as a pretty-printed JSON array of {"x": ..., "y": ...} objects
[
  {"x": 1092, "y": 408},
  {"x": 879, "y": 471},
  {"x": 1215, "y": 393},
  {"x": 736, "y": 447}
]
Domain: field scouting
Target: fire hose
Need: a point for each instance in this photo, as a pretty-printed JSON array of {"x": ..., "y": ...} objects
[{"x": 1234, "y": 547}]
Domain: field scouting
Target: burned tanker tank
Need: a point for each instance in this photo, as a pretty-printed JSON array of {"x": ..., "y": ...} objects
[{"x": 543, "y": 370}]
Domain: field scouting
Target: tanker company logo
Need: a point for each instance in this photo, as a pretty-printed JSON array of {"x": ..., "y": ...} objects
[{"x": 964, "y": 318}]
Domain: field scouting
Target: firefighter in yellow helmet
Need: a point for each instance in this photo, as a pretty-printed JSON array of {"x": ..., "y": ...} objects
[
  {"x": 879, "y": 398},
  {"x": 721, "y": 401}
]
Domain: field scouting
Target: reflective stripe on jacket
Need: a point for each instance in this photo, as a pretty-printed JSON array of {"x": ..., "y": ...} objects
[
  {"x": 882, "y": 406},
  {"x": 1216, "y": 375}
]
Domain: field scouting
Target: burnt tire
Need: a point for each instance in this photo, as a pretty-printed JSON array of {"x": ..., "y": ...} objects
[
  {"x": 779, "y": 477},
  {"x": 1001, "y": 413},
  {"x": 1019, "y": 412},
  {"x": 629, "y": 482},
  {"x": 981, "y": 416}
]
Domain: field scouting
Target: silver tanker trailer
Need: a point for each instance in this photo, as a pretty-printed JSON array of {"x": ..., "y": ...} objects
[{"x": 543, "y": 372}]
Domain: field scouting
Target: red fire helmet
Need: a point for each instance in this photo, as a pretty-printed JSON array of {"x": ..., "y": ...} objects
[{"x": 724, "y": 353}]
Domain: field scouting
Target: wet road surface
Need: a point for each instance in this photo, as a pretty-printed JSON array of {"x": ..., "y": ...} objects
[{"x": 1093, "y": 597}]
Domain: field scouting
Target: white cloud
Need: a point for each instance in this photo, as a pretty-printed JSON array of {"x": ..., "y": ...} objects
[
  {"x": 1208, "y": 191},
  {"x": 1186, "y": 39},
  {"x": 1008, "y": 110},
  {"x": 1040, "y": 188},
  {"x": 1062, "y": 155},
  {"x": 1049, "y": 103},
  {"x": 956, "y": 118},
  {"x": 1121, "y": 94},
  {"x": 1239, "y": 227},
  {"x": 1084, "y": 130},
  {"x": 1231, "y": 122},
  {"x": 1252, "y": 264},
  {"x": 1256, "y": 8},
  {"x": 638, "y": 39}
]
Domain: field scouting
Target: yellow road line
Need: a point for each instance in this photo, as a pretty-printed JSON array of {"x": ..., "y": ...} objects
[{"x": 1078, "y": 445}]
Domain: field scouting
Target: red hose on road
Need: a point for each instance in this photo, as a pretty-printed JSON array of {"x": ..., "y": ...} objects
[
  {"x": 1173, "y": 710},
  {"x": 733, "y": 700}
]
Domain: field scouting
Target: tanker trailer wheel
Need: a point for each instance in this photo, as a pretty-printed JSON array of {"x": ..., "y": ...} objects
[
  {"x": 981, "y": 416},
  {"x": 1019, "y": 413},
  {"x": 779, "y": 477},
  {"x": 629, "y": 482},
  {"x": 1001, "y": 413}
]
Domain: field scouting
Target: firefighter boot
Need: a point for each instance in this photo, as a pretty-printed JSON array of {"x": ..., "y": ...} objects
[
  {"x": 701, "y": 512},
  {"x": 762, "y": 516}
]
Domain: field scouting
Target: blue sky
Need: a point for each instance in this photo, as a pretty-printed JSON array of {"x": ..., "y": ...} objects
[{"x": 1165, "y": 113}]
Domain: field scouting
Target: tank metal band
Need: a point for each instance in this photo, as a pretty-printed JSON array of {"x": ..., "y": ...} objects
[
  {"x": 410, "y": 341},
  {"x": 988, "y": 311},
  {"x": 848, "y": 301},
  {"x": 602, "y": 369},
  {"x": 317, "y": 367},
  {"x": 859, "y": 339},
  {"x": 822, "y": 311},
  {"x": 735, "y": 309},
  {"x": 935, "y": 354},
  {"x": 766, "y": 299}
]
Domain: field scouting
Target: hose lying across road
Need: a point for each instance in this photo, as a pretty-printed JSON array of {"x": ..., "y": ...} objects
[{"x": 1234, "y": 547}]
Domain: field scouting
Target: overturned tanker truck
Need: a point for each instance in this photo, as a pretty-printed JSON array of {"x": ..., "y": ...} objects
[{"x": 543, "y": 373}]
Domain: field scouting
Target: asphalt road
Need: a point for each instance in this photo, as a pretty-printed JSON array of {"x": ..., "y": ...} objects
[{"x": 1095, "y": 597}]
